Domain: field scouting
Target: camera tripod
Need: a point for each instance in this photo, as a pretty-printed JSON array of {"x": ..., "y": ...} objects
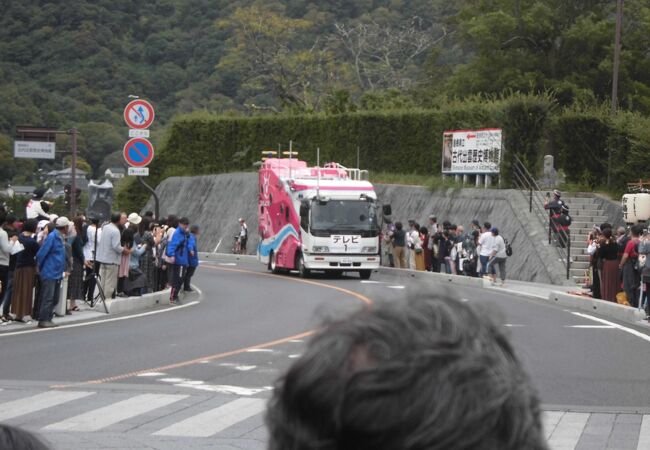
[{"x": 100, "y": 297}]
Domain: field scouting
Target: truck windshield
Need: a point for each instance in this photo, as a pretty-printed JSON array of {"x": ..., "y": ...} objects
[{"x": 344, "y": 216}]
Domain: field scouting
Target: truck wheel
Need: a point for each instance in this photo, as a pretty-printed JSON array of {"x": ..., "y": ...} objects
[
  {"x": 365, "y": 274},
  {"x": 303, "y": 272},
  {"x": 273, "y": 264}
]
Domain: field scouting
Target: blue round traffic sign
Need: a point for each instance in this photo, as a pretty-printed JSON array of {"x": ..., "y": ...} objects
[{"x": 138, "y": 152}]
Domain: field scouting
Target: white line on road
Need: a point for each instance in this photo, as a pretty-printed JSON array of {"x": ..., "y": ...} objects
[
  {"x": 38, "y": 402},
  {"x": 513, "y": 325},
  {"x": 644, "y": 435},
  {"x": 615, "y": 325},
  {"x": 550, "y": 419},
  {"x": 371, "y": 282},
  {"x": 259, "y": 350},
  {"x": 211, "y": 422},
  {"x": 221, "y": 388},
  {"x": 395, "y": 287},
  {"x": 227, "y": 264},
  {"x": 595, "y": 327},
  {"x": 95, "y": 322},
  {"x": 115, "y": 413},
  {"x": 568, "y": 431},
  {"x": 152, "y": 374}
]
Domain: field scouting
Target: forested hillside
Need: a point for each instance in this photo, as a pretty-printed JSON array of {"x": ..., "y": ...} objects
[{"x": 75, "y": 62}]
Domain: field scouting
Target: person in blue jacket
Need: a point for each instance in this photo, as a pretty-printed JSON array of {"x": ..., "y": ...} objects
[
  {"x": 178, "y": 258},
  {"x": 51, "y": 266},
  {"x": 193, "y": 261}
]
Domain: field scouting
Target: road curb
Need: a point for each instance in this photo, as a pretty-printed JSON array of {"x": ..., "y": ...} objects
[
  {"x": 204, "y": 256},
  {"x": 130, "y": 304},
  {"x": 613, "y": 310},
  {"x": 439, "y": 277}
]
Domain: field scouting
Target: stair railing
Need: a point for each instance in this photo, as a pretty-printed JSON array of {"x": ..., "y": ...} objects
[{"x": 525, "y": 182}]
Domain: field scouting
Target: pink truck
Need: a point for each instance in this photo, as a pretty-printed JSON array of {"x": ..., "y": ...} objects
[{"x": 317, "y": 218}]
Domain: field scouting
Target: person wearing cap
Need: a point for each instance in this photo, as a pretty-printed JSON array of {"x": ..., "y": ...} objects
[
  {"x": 243, "y": 236},
  {"x": 497, "y": 257},
  {"x": 51, "y": 260},
  {"x": 193, "y": 261},
  {"x": 177, "y": 257}
]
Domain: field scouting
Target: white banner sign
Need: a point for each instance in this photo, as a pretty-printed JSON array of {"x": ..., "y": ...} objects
[
  {"x": 34, "y": 150},
  {"x": 472, "y": 151},
  {"x": 139, "y": 171},
  {"x": 138, "y": 133}
]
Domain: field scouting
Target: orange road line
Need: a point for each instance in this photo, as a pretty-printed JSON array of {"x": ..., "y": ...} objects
[{"x": 363, "y": 298}]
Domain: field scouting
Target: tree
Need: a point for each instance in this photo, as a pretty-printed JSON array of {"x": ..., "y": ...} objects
[
  {"x": 384, "y": 56},
  {"x": 269, "y": 52}
]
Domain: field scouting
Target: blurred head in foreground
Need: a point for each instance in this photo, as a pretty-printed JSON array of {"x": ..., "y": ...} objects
[
  {"x": 12, "y": 438},
  {"x": 421, "y": 374}
]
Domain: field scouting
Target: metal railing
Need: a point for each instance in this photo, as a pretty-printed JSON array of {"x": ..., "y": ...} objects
[{"x": 524, "y": 181}]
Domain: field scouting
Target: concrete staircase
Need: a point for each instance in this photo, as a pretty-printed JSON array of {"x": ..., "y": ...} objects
[{"x": 586, "y": 211}]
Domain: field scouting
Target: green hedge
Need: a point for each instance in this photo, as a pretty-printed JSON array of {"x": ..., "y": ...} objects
[
  {"x": 409, "y": 141},
  {"x": 399, "y": 141}
]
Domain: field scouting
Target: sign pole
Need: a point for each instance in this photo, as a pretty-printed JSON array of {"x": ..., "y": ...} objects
[{"x": 73, "y": 174}]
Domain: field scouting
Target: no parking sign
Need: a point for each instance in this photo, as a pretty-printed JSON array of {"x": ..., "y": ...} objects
[
  {"x": 139, "y": 114},
  {"x": 138, "y": 152}
]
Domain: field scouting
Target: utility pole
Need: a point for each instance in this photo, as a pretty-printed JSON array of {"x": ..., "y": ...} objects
[
  {"x": 73, "y": 174},
  {"x": 617, "y": 54},
  {"x": 617, "y": 63}
]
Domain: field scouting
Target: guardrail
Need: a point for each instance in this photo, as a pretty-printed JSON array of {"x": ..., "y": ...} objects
[{"x": 525, "y": 182}]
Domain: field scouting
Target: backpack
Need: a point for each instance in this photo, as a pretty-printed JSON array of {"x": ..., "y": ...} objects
[
  {"x": 508, "y": 247},
  {"x": 161, "y": 255}
]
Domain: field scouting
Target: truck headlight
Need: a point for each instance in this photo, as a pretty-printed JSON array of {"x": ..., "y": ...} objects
[
  {"x": 322, "y": 249},
  {"x": 369, "y": 250}
]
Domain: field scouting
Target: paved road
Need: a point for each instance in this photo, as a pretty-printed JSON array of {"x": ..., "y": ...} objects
[{"x": 198, "y": 376}]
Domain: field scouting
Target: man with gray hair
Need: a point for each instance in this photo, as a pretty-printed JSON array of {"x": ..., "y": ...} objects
[{"x": 427, "y": 373}]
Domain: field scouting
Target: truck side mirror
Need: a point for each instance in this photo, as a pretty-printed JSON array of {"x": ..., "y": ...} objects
[{"x": 387, "y": 210}]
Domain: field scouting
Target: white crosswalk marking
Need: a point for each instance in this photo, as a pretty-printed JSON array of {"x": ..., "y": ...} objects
[
  {"x": 644, "y": 435},
  {"x": 550, "y": 420},
  {"x": 117, "y": 412},
  {"x": 20, "y": 407},
  {"x": 568, "y": 431},
  {"x": 215, "y": 420}
]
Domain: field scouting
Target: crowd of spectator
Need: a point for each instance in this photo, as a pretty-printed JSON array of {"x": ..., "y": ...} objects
[
  {"x": 48, "y": 260},
  {"x": 620, "y": 270},
  {"x": 447, "y": 248}
]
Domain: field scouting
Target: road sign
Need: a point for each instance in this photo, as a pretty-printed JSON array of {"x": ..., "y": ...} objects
[
  {"x": 138, "y": 133},
  {"x": 139, "y": 171},
  {"x": 138, "y": 152},
  {"x": 36, "y": 150},
  {"x": 139, "y": 114}
]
